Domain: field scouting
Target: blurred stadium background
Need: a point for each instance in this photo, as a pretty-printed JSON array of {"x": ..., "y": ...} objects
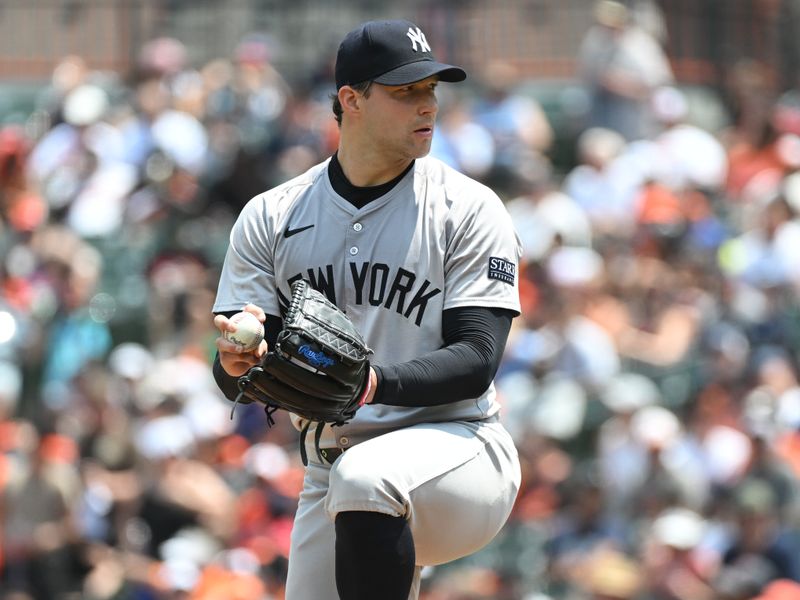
[
  {"x": 542, "y": 37},
  {"x": 705, "y": 40},
  {"x": 649, "y": 152}
]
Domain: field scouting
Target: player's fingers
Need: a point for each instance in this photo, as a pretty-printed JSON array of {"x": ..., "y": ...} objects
[
  {"x": 237, "y": 365},
  {"x": 232, "y": 352},
  {"x": 256, "y": 310},
  {"x": 262, "y": 349},
  {"x": 223, "y": 323},
  {"x": 244, "y": 360},
  {"x": 228, "y": 347}
]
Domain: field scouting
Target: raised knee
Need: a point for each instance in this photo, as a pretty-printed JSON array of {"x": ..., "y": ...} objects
[
  {"x": 349, "y": 476},
  {"x": 355, "y": 485}
]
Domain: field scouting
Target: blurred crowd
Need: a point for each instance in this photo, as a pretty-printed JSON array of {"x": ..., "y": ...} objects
[{"x": 651, "y": 383}]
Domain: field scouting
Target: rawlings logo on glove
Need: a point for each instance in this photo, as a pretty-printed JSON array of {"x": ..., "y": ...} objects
[{"x": 318, "y": 359}]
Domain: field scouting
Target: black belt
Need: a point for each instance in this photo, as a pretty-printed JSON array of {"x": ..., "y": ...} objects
[{"x": 331, "y": 454}]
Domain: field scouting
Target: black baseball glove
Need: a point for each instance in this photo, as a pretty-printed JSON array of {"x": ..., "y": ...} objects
[{"x": 318, "y": 368}]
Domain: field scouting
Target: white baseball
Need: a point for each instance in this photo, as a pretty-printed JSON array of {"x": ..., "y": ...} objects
[{"x": 249, "y": 331}]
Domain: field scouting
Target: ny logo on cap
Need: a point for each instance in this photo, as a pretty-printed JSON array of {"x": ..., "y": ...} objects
[{"x": 417, "y": 36}]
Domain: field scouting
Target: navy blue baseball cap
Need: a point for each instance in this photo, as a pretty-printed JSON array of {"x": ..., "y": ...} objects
[{"x": 394, "y": 52}]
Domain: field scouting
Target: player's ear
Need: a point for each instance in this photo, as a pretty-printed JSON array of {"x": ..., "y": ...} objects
[{"x": 350, "y": 99}]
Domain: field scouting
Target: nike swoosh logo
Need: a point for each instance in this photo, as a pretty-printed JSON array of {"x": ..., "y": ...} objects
[{"x": 287, "y": 233}]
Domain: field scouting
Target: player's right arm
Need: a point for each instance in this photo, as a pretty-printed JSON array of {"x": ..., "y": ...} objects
[
  {"x": 230, "y": 363},
  {"x": 247, "y": 279},
  {"x": 231, "y": 357}
]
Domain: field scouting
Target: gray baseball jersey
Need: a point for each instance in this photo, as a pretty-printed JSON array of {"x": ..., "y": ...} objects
[{"x": 437, "y": 240}]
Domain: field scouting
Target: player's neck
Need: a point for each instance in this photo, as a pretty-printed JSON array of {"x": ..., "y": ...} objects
[{"x": 365, "y": 169}]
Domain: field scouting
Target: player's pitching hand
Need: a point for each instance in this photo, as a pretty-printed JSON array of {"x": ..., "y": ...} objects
[{"x": 234, "y": 359}]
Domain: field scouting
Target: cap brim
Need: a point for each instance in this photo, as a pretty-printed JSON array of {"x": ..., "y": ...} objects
[{"x": 417, "y": 71}]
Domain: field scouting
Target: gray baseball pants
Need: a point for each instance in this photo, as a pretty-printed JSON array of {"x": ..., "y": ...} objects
[{"x": 455, "y": 482}]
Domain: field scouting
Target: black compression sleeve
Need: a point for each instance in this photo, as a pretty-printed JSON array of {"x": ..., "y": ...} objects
[
  {"x": 474, "y": 340},
  {"x": 228, "y": 383}
]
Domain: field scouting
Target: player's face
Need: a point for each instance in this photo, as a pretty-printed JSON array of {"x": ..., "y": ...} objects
[{"x": 400, "y": 118}]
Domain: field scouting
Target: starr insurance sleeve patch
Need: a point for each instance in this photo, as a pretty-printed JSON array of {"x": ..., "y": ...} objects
[{"x": 502, "y": 270}]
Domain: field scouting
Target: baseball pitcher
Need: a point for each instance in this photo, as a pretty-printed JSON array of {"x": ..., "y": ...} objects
[{"x": 387, "y": 283}]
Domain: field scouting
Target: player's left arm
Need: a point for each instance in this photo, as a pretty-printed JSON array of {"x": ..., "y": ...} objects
[
  {"x": 474, "y": 340},
  {"x": 481, "y": 287}
]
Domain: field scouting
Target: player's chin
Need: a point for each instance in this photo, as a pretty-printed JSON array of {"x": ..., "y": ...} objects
[{"x": 421, "y": 149}]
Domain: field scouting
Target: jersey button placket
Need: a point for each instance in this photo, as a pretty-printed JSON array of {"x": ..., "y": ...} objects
[
  {"x": 351, "y": 241},
  {"x": 356, "y": 227}
]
